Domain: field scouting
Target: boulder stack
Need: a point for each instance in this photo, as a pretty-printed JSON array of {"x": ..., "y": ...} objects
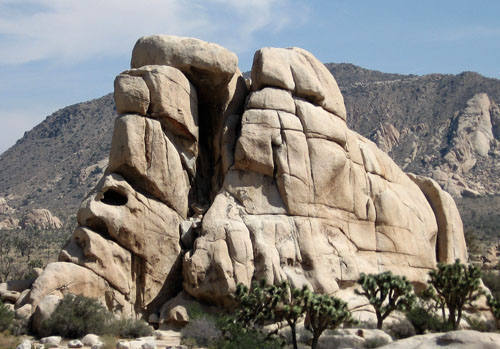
[{"x": 210, "y": 184}]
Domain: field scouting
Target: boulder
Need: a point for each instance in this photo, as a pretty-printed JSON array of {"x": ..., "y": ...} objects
[
  {"x": 307, "y": 200},
  {"x": 90, "y": 340},
  {"x": 131, "y": 94},
  {"x": 9, "y": 296},
  {"x": 51, "y": 342},
  {"x": 25, "y": 344},
  {"x": 142, "y": 225},
  {"x": 41, "y": 219},
  {"x": 24, "y": 312},
  {"x": 297, "y": 70},
  {"x": 43, "y": 310},
  {"x": 148, "y": 159},
  {"x": 450, "y": 239},
  {"x": 75, "y": 343},
  {"x": 209, "y": 186},
  {"x": 202, "y": 62},
  {"x": 455, "y": 339},
  {"x": 104, "y": 257}
]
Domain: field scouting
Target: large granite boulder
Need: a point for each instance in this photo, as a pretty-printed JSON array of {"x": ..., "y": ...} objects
[
  {"x": 210, "y": 185},
  {"x": 307, "y": 199}
]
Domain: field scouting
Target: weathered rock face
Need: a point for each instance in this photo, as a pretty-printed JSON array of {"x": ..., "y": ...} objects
[
  {"x": 474, "y": 135},
  {"x": 307, "y": 199},
  {"x": 41, "y": 219},
  {"x": 209, "y": 185}
]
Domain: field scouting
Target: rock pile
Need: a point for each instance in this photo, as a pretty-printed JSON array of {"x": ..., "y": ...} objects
[{"x": 213, "y": 180}]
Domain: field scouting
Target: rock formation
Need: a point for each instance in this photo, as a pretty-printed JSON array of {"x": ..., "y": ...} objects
[
  {"x": 39, "y": 219},
  {"x": 210, "y": 184}
]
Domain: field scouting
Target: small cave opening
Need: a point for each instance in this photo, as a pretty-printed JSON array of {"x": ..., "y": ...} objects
[{"x": 114, "y": 198}]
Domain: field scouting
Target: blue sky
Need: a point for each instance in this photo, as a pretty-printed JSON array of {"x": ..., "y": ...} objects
[{"x": 58, "y": 52}]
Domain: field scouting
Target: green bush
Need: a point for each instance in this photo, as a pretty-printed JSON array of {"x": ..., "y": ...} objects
[
  {"x": 6, "y": 317},
  {"x": 386, "y": 293},
  {"x": 423, "y": 320},
  {"x": 452, "y": 286},
  {"x": 492, "y": 281},
  {"x": 130, "y": 328},
  {"x": 76, "y": 316},
  {"x": 202, "y": 330},
  {"x": 236, "y": 336}
]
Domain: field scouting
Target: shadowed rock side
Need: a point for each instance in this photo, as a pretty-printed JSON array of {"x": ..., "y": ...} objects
[{"x": 209, "y": 185}]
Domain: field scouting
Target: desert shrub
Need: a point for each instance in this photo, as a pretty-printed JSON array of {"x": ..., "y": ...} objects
[
  {"x": 424, "y": 320},
  {"x": 401, "y": 329},
  {"x": 130, "y": 328},
  {"x": 492, "y": 281},
  {"x": 375, "y": 342},
  {"x": 476, "y": 324},
  {"x": 452, "y": 286},
  {"x": 76, "y": 316},
  {"x": 195, "y": 310},
  {"x": 108, "y": 341},
  {"x": 494, "y": 305},
  {"x": 202, "y": 331},
  {"x": 6, "y": 317},
  {"x": 236, "y": 336},
  {"x": 386, "y": 292},
  {"x": 7, "y": 340}
]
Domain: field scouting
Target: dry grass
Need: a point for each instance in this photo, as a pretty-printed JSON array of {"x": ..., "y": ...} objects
[
  {"x": 7, "y": 341},
  {"x": 109, "y": 341}
]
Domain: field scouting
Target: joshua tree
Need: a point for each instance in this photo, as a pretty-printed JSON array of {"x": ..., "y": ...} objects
[
  {"x": 257, "y": 304},
  {"x": 324, "y": 312},
  {"x": 494, "y": 305},
  {"x": 386, "y": 292},
  {"x": 291, "y": 307},
  {"x": 453, "y": 286}
]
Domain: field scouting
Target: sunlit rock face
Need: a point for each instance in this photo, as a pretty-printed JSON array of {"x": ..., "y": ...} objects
[{"x": 214, "y": 180}]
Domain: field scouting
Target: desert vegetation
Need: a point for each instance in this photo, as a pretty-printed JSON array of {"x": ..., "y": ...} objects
[
  {"x": 262, "y": 312},
  {"x": 27, "y": 249}
]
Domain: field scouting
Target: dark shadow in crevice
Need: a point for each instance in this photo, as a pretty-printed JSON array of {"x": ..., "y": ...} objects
[
  {"x": 98, "y": 226},
  {"x": 114, "y": 198}
]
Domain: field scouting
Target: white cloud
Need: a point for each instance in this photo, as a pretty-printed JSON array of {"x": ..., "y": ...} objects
[{"x": 73, "y": 30}]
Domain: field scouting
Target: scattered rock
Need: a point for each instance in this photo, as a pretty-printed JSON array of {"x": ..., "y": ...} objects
[
  {"x": 26, "y": 344},
  {"x": 75, "y": 343},
  {"x": 43, "y": 309},
  {"x": 456, "y": 339},
  {"x": 51, "y": 342},
  {"x": 41, "y": 219},
  {"x": 90, "y": 340},
  {"x": 9, "y": 296},
  {"x": 24, "y": 312}
]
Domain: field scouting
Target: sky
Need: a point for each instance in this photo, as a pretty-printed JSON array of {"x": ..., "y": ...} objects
[{"x": 54, "y": 53}]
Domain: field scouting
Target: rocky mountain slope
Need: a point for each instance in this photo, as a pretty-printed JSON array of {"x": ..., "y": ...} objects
[
  {"x": 444, "y": 126},
  {"x": 55, "y": 164}
]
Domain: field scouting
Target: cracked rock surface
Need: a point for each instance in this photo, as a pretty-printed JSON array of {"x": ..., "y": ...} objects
[{"x": 214, "y": 180}]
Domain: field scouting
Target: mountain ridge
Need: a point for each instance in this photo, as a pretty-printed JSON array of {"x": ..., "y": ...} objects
[{"x": 56, "y": 163}]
